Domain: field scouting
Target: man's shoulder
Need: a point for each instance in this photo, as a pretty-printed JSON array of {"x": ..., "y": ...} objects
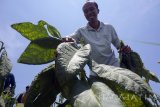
[
  {"x": 82, "y": 28},
  {"x": 107, "y": 24}
]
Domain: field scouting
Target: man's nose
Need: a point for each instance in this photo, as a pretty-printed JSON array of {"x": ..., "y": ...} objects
[{"x": 89, "y": 13}]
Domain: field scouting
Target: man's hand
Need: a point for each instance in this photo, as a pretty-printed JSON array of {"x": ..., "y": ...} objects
[
  {"x": 125, "y": 49},
  {"x": 68, "y": 39}
]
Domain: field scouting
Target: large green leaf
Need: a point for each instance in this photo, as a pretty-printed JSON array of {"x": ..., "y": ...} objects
[
  {"x": 44, "y": 89},
  {"x": 33, "y": 32},
  {"x": 30, "y": 31},
  {"x": 40, "y": 51}
]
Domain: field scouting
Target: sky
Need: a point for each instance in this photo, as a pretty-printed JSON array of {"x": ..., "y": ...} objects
[{"x": 136, "y": 22}]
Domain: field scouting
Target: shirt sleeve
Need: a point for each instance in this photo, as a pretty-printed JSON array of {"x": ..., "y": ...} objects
[{"x": 115, "y": 39}]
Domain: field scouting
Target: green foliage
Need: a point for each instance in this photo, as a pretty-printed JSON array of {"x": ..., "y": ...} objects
[
  {"x": 5, "y": 68},
  {"x": 122, "y": 77},
  {"x": 33, "y": 32},
  {"x": 40, "y": 51},
  {"x": 2, "y": 80},
  {"x": 129, "y": 99},
  {"x": 43, "y": 43},
  {"x": 133, "y": 62},
  {"x": 2, "y": 104},
  {"x": 110, "y": 88},
  {"x": 8, "y": 100},
  {"x": 30, "y": 31},
  {"x": 44, "y": 89},
  {"x": 53, "y": 31}
]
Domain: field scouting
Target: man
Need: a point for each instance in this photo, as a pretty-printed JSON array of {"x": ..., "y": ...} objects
[
  {"x": 24, "y": 96},
  {"x": 99, "y": 35},
  {"x": 21, "y": 98}
]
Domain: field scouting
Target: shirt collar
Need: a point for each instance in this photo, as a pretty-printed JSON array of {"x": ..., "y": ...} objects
[{"x": 89, "y": 28}]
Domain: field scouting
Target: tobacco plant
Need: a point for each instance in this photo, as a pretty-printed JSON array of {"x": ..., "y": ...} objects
[
  {"x": 5, "y": 68},
  {"x": 113, "y": 87}
]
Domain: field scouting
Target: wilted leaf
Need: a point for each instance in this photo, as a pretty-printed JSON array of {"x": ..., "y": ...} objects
[
  {"x": 5, "y": 64},
  {"x": 79, "y": 60},
  {"x": 153, "y": 77},
  {"x": 30, "y": 31},
  {"x": 96, "y": 95},
  {"x": 123, "y": 77},
  {"x": 40, "y": 51},
  {"x": 70, "y": 60},
  {"x": 133, "y": 62}
]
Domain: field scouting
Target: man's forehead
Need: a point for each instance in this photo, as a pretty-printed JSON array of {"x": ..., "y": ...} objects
[{"x": 88, "y": 4}]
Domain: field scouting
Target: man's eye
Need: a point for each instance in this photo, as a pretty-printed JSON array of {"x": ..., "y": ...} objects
[{"x": 91, "y": 9}]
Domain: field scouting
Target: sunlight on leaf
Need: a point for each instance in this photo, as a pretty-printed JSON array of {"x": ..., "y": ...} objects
[
  {"x": 30, "y": 31},
  {"x": 33, "y": 32},
  {"x": 129, "y": 99},
  {"x": 42, "y": 23},
  {"x": 39, "y": 52},
  {"x": 52, "y": 30}
]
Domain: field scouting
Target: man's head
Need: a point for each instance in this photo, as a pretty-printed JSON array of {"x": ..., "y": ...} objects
[{"x": 90, "y": 10}]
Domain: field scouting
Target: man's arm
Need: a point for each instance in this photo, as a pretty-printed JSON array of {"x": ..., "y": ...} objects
[{"x": 119, "y": 44}]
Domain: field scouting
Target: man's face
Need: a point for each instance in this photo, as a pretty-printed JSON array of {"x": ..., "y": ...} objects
[{"x": 90, "y": 12}]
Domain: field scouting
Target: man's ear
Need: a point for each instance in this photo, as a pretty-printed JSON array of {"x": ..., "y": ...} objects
[{"x": 98, "y": 10}]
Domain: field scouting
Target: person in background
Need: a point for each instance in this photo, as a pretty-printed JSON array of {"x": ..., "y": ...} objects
[
  {"x": 24, "y": 96},
  {"x": 21, "y": 98},
  {"x": 10, "y": 83}
]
